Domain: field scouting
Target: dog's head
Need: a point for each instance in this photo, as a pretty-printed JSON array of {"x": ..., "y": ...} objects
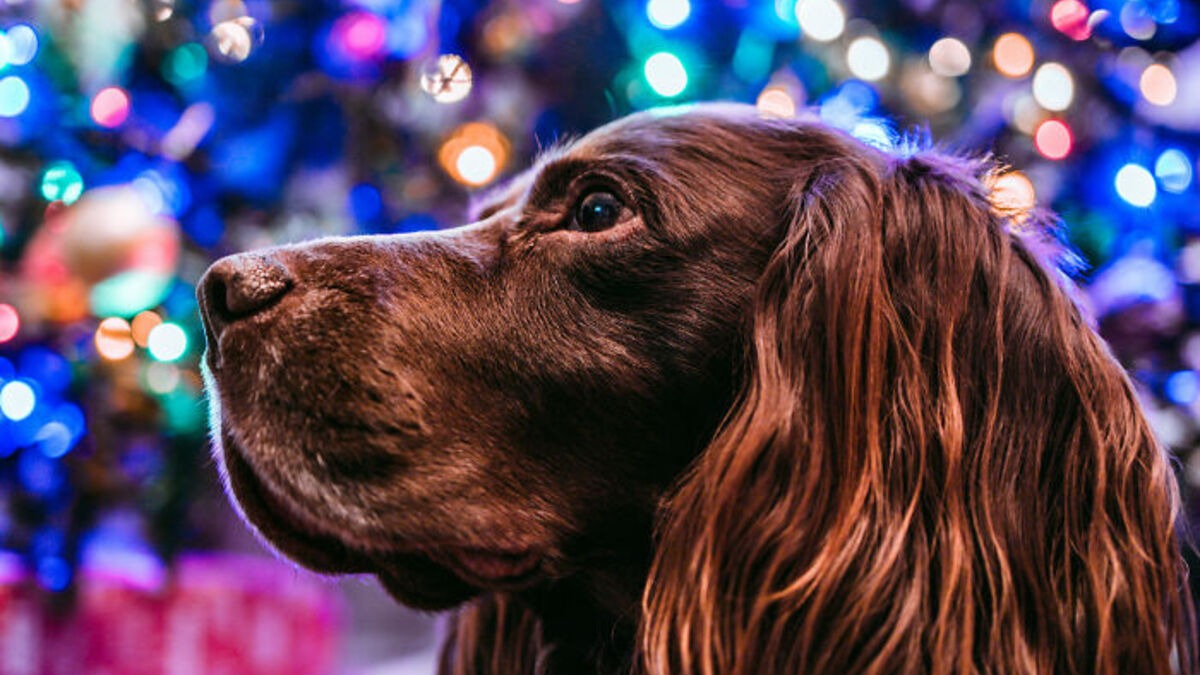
[
  {"x": 503, "y": 402},
  {"x": 906, "y": 446}
]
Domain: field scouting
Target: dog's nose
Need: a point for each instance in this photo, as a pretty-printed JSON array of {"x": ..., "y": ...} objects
[{"x": 240, "y": 286}]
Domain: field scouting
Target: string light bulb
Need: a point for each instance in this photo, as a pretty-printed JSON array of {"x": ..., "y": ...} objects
[
  {"x": 474, "y": 154},
  {"x": 949, "y": 57},
  {"x": 1053, "y": 139},
  {"x": 821, "y": 20},
  {"x": 1157, "y": 85},
  {"x": 1053, "y": 86},
  {"x": 665, "y": 74},
  {"x": 447, "y": 78},
  {"x": 114, "y": 339},
  {"x": 1013, "y": 55},
  {"x": 868, "y": 58}
]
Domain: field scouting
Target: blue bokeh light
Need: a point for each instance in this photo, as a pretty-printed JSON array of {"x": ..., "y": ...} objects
[
  {"x": 1173, "y": 170},
  {"x": 1181, "y": 387},
  {"x": 366, "y": 204},
  {"x": 14, "y": 96}
]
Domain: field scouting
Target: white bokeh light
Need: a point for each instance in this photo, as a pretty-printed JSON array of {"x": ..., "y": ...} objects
[
  {"x": 668, "y": 14},
  {"x": 666, "y": 74},
  {"x": 821, "y": 20},
  {"x": 949, "y": 57},
  {"x": 17, "y": 400},
  {"x": 476, "y": 164},
  {"x": 1053, "y": 86},
  {"x": 1135, "y": 184},
  {"x": 868, "y": 58},
  {"x": 167, "y": 342}
]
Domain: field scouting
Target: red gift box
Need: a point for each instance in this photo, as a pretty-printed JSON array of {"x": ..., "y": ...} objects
[{"x": 212, "y": 615}]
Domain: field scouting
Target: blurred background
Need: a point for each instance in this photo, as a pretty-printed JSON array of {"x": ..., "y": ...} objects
[{"x": 142, "y": 139}]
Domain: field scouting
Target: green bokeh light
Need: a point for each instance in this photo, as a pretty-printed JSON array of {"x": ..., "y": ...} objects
[
  {"x": 61, "y": 182},
  {"x": 128, "y": 293},
  {"x": 185, "y": 64}
]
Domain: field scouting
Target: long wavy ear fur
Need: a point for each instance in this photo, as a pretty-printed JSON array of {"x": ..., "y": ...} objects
[{"x": 935, "y": 465}]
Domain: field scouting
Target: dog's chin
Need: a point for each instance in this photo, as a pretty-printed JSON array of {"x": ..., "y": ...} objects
[{"x": 431, "y": 581}]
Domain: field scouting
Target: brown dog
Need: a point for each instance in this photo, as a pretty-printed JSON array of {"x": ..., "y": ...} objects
[{"x": 709, "y": 393}]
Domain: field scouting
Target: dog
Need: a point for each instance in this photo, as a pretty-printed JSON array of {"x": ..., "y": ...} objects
[{"x": 708, "y": 392}]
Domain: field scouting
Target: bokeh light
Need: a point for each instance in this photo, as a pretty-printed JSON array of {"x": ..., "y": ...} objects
[
  {"x": 167, "y": 342},
  {"x": 359, "y": 35},
  {"x": 665, "y": 74},
  {"x": 949, "y": 57},
  {"x": 868, "y": 58},
  {"x": 1013, "y": 55},
  {"x": 447, "y": 78},
  {"x": 186, "y": 63},
  {"x": 476, "y": 165},
  {"x": 23, "y": 44},
  {"x": 110, "y": 107},
  {"x": 929, "y": 92},
  {"x": 1053, "y": 86},
  {"x": 474, "y": 154},
  {"x": 164, "y": 9},
  {"x": 668, "y": 14},
  {"x": 17, "y": 400},
  {"x": 1182, "y": 387},
  {"x": 1070, "y": 17},
  {"x": 1135, "y": 185},
  {"x": 14, "y": 96},
  {"x": 776, "y": 102},
  {"x": 10, "y": 322},
  {"x": 162, "y": 378},
  {"x": 1157, "y": 84},
  {"x": 821, "y": 20},
  {"x": 61, "y": 182},
  {"x": 1136, "y": 21},
  {"x": 53, "y": 440},
  {"x": 1053, "y": 139},
  {"x": 233, "y": 40},
  {"x": 1013, "y": 192},
  {"x": 141, "y": 326},
  {"x": 114, "y": 339},
  {"x": 1026, "y": 114},
  {"x": 1173, "y": 171},
  {"x": 6, "y": 49}
]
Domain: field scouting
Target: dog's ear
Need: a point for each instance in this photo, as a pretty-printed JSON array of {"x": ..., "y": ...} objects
[{"x": 934, "y": 465}]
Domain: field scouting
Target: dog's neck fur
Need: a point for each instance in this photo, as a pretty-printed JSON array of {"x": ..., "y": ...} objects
[
  {"x": 582, "y": 636},
  {"x": 576, "y": 626},
  {"x": 590, "y": 622}
]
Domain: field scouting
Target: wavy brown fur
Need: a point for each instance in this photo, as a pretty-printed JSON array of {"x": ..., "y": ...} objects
[{"x": 935, "y": 466}]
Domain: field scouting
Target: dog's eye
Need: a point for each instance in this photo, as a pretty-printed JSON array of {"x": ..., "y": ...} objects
[{"x": 597, "y": 211}]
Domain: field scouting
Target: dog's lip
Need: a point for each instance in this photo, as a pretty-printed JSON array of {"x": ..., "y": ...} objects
[{"x": 492, "y": 567}]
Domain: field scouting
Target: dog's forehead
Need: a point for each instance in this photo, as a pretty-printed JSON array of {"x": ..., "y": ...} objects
[
  {"x": 649, "y": 134},
  {"x": 663, "y": 125}
]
